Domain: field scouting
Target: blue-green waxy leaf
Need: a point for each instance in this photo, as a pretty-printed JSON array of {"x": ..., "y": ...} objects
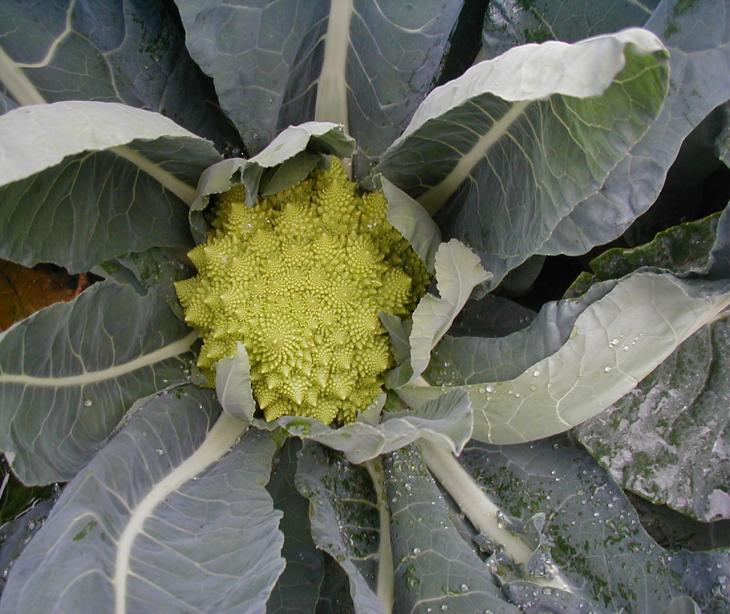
[
  {"x": 672, "y": 427},
  {"x": 299, "y": 587},
  {"x": 613, "y": 344},
  {"x": 446, "y": 421},
  {"x": 510, "y": 22},
  {"x": 344, "y": 512},
  {"x": 503, "y": 354},
  {"x": 70, "y": 372},
  {"x": 409, "y": 218},
  {"x": 131, "y": 52},
  {"x": 362, "y": 64},
  {"x": 511, "y": 147},
  {"x": 697, "y": 35},
  {"x": 170, "y": 516},
  {"x": 433, "y": 565},
  {"x": 458, "y": 271},
  {"x": 590, "y": 534},
  {"x": 233, "y": 385},
  {"x": 83, "y": 182}
]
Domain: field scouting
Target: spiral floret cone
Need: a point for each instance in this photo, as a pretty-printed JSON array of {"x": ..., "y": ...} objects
[{"x": 299, "y": 279}]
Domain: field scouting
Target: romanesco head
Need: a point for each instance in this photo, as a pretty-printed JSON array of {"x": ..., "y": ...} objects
[{"x": 300, "y": 278}]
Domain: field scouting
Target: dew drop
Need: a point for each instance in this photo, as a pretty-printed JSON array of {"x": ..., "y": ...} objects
[
  {"x": 490, "y": 387},
  {"x": 416, "y": 551},
  {"x": 536, "y": 373},
  {"x": 160, "y": 451},
  {"x": 88, "y": 403},
  {"x": 608, "y": 369},
  {"x": 464, "y": 588}
]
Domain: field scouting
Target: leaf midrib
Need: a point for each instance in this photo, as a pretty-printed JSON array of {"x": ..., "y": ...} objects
[{"x": 25, "y": 93}]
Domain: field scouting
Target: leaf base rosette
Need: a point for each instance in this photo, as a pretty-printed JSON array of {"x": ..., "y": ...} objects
[{"x": 300, "y": 279}]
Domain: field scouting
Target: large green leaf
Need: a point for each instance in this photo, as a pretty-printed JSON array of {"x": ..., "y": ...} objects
[
  {"x": 446, "y": 421},
  {"x": 513, "y": 156},
  {"x": 697, "y": 35},
  {"x": 511, "y": 22},
  {"x": 299, "y": 587},
  {"x": 682, "y": 249},
  {"x": 587, "y": 532},
  {"x": 434, "y": 567},
  {"x": 503, "y": 353},
  {"x": 673, "y": 428},
  {"x": 131, "y": 52},
  {"x": 458, "y": 272},
  {"x": 82, "y": 182},
  {"x": 171, "y": 515},
  {"x": 344, "y": 512},
  {"x": 613, "y": 344},
  {"x": 70, "y": 372},
  {"x": 365, "y": 64}
]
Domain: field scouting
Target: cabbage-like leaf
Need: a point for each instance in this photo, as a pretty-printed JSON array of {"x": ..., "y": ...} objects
[
  {"x": 673, "y": 427},
  {"x": 697, "y": 35},
  {"x": 510, "y": 23},
  {"x": 82, "y": 182},
  {"x": 171, "y": 515},
  {"x": 132, "y": 52},
  {"x": 299, "y": 587},
  {"x": 69, "y": 373},
  {"x": 682, "y": 249},
  {"x": 516, "y": 143},
  {"x": 433, "y": 563},
  {"x": 344, "y": 511},
  {"x": 589, "y": 533},
  {"x": 458, "y": 272},
  {"x": 505, "y": 354},
  {"x": 363, "y": 64},
  {"x": 445, "y": 421},
  {"x": 233, "y": 385},
  {"x": 613, "y": 344},
  {"x": 413, "y": 222}
]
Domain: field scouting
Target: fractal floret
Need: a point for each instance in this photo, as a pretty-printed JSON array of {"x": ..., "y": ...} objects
[{"x": 300, "y": 279}]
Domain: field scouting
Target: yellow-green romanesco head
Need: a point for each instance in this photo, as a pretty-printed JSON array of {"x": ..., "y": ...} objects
[{"x": 300, "y": 278}]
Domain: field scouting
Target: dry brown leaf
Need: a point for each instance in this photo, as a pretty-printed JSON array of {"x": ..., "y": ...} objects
[{"x": 24, "y": 291}]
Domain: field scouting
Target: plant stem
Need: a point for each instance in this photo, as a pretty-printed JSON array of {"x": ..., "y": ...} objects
[
  {"x": 385, "y": 588},
  {"x": 481, "y": 511}
]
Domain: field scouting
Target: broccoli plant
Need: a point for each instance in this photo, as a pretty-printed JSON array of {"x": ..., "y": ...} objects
[{"x": 309, "y": 375}]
